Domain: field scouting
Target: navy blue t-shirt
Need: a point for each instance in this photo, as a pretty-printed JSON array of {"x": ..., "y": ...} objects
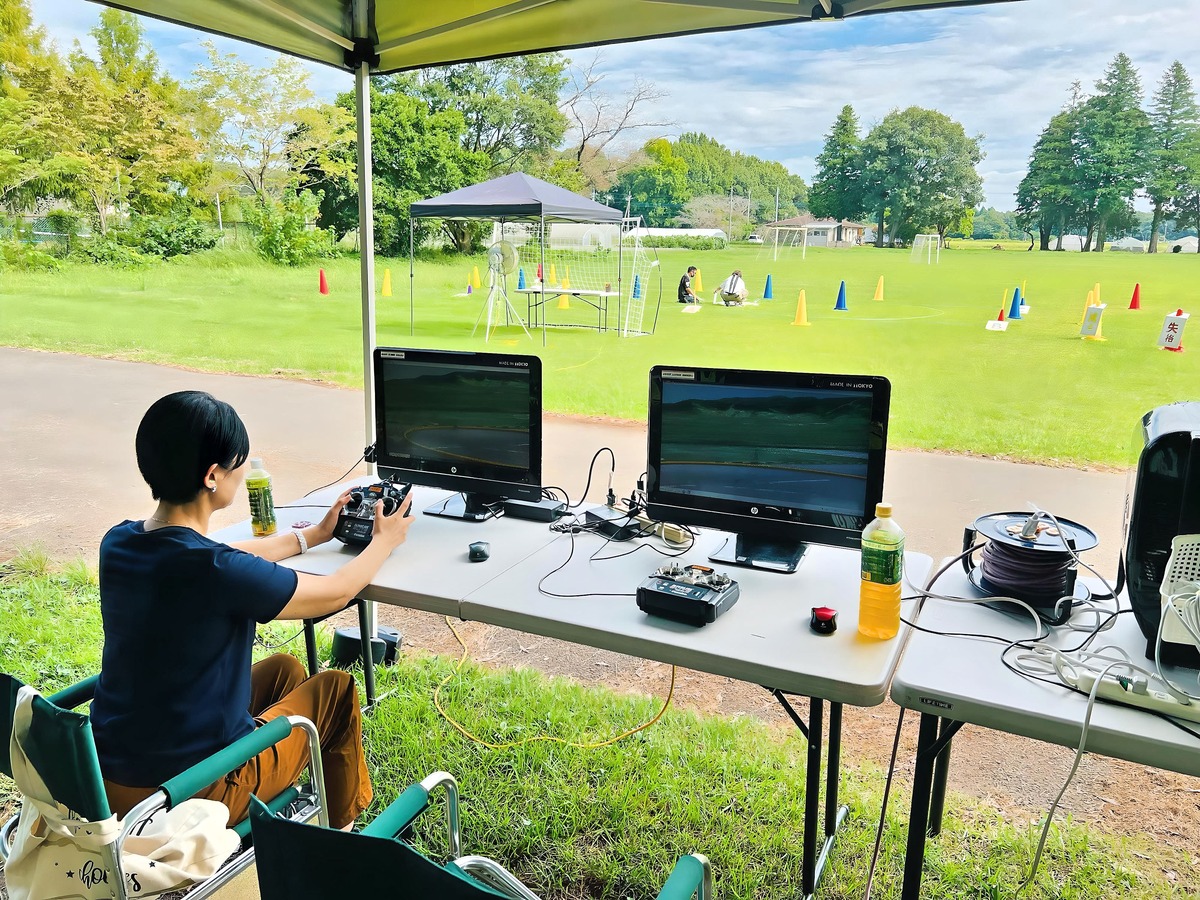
[{"x": 179, "y": 613}]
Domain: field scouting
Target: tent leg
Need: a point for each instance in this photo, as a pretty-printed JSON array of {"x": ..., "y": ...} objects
[{"x": 366, "y": 255}]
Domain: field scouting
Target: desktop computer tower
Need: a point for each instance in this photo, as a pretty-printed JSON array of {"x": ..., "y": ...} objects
[{"x": 1164, "y": 502}]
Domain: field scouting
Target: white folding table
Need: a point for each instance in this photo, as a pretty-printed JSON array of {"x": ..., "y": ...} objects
[{"x": 952, "y": 681}]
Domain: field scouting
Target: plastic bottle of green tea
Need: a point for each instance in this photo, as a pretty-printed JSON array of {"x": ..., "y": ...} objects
[
  {"x": 882, "y": 571},
  {"x": 262, "y": 504}
]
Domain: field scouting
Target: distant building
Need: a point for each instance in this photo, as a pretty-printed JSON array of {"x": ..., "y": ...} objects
[
  {"x": 1128, "y": 245},
  {"x": 1185, "y": 245},
  {"x": 821, "y": 232}
]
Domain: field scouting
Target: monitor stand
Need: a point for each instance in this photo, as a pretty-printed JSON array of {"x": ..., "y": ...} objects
[
  {"x": 468, "y": 506},
  {"x": 760, "y": 553}
]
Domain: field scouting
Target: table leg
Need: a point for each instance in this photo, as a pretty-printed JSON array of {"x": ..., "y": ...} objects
[
  {"x": 833, "y": 769},
  {"x": 368, "y": 655},
  {"x": 941, "y": 773},
  {"x": 918, "y": 814},
  {"x": 812, "y": 799},
  {"x": 310, "y": 646}
]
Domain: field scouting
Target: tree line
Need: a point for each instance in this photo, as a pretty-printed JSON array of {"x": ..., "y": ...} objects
[
  {"x": 120, "y": 141},
  {"x": 1101, "y": 151}
]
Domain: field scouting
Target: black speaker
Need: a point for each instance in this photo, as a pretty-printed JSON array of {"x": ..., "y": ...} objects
[{"x": 1164, "y": 503}]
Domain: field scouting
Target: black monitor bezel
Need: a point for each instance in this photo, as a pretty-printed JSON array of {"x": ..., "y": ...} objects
[
  {"x": 432, "y": 474},
  {"x": 757, "y": 519}
]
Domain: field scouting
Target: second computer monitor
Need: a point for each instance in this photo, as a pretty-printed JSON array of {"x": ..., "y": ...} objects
[
  {"x": 469, "y": 422},
  {"x": 780, "y": 459}
]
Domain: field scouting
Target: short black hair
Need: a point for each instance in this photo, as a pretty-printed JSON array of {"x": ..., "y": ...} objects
[
  {"x": 691, "y": 269},
  {"x": 181, "y": 436}
]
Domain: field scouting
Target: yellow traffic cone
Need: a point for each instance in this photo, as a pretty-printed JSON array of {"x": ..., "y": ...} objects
[
  {"x": 801, "y": 311},
  {"x": 387, "y": 283},
  {"x": 553, "y": 276},
  {"x": 1091, "y": 301},
  {"x": 564, "y": 302},
  {"x": 879, "y": 289},
  {"x": 567, "y": 277},
  {"x": 475, "y": 277},
  {"x": 699, "y": 284},
  {"x": 1096, "y": 291}
]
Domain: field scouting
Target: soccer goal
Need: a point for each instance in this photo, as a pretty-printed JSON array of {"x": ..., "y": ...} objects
[
  {"x": 789, "y": 238},
  {"x": 927, "y": 248}
]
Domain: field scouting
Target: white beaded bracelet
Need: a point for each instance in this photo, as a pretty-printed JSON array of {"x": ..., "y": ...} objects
[{"x": 303, "y": 543}]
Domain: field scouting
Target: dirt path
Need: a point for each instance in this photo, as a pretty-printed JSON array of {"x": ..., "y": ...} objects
[{"x": 67, "y": 473}]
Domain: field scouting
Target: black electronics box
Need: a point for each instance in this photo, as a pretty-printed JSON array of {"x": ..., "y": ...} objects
[
  {"x": 692, "y": 604},
  {"x": 1165, "y": 504},
  {"x": 538, "y": 511},
  {"x": 615, "y": 524}
]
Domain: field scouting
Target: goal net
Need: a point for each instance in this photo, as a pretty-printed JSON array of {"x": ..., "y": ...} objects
[
  {"x": 927, "y": 248},
  {"x": 789, "y": 240}
]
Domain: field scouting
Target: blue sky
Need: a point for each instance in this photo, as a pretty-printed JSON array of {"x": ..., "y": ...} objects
[{"x": 1001, "y": 70}]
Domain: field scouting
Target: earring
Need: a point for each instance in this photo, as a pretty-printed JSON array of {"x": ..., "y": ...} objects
[{"x": 213, "y": 488}]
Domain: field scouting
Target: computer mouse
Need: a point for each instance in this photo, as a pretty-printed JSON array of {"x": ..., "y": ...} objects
[{"x": 479, "y": 551}]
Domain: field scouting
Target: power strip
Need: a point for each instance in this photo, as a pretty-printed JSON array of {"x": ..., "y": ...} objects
[
  {"x": 1155, "y": 701},
  {"x": 672, "y": 534}
]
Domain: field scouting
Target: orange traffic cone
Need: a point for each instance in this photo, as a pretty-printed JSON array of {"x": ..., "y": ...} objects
[
  {"x": 324, "y": 285},
  {"x": 1136, "y": 302},
  {"x": 1000, "y": 318}
]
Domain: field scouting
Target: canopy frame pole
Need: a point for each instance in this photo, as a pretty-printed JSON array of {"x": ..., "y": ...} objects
[
  {"x": 285, "y": 12},
  {"x": 542, "y": 269},
  {"x": 411, "y": 274},
  {"x": 366, "y": 244}
]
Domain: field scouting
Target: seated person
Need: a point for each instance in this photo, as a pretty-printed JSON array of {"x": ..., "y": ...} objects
[
  {"x": 179, "y": 612},
  {"x": 733, "y": 289},
  {"x": 686, "y": 293}
]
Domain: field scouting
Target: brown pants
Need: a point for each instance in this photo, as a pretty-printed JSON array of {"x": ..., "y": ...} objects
[{"x": 278, "y": 687}]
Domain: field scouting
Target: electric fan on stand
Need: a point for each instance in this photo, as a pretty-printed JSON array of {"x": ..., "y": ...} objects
[{"x": 501, "y": 262}]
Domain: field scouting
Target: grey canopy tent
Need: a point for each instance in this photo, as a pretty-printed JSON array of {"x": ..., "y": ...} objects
[
  {"x": 512, "y": 198},
  {"x": 374, "y": 37}
]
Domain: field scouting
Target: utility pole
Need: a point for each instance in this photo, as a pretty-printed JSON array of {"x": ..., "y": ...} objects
[
  {"x": 730, "y": 235},
  {"x": 628, "y": 200},
  {"x": 776, "y": 204}
]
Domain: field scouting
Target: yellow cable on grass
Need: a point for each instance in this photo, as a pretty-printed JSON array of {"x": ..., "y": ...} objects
[{"x": 593, "y": 745}]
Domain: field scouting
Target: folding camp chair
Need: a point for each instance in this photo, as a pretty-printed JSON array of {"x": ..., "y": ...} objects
[
  {"x": 375, "y": 863},
  {"x": 61, "y": 748}
]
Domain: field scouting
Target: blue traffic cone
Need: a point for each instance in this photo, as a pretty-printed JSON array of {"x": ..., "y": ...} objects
[
  {"x": 1015, "y": 311},
  {"x": 767, "y": 295},
  {"x": 520, "y": 279},
  {"x": 841, "y": 300},
  {"x": 637, "y": 287}
]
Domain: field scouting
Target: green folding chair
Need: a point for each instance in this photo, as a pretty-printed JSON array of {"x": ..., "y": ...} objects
[
  {"x": 295, "y": 861},
  {"x": 61, "y": 748}
]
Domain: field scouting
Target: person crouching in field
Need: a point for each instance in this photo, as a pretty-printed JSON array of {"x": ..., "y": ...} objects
[
  {"x": 733, "y": 289},
  {"x": 686, "y": 293}
]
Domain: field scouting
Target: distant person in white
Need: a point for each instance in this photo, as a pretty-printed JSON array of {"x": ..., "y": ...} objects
[{"x": 733, "y": 289}]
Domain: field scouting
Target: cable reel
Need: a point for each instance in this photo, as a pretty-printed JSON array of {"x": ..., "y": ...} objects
[{"x": 1027, "y": 557}]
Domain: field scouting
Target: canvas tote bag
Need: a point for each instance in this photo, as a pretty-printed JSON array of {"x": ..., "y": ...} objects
[{"x": 58, "y": 856}]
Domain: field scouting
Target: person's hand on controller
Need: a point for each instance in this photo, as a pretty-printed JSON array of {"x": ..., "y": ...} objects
[
  {"x": 392, "y": 529},
  {"x": 329, "y": 522}
]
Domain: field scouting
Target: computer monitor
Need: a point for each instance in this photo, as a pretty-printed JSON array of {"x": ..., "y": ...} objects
[
  {"x": 781, "y": 459},
  {"x": 470, "y": 422}
]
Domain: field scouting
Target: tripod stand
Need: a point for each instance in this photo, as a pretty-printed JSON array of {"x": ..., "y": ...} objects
[{"x": 496, "y": 291}]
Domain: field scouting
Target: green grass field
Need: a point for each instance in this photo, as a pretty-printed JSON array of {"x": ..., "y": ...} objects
[
  {"x": 610, "y": 822},
  {"x": 1037, "y": 392}
]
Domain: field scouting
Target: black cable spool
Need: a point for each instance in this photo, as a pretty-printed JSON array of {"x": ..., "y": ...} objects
[{"x": 1035, "y": 566}]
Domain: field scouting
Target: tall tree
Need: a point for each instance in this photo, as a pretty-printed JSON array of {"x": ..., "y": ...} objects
[
  {"x": 417, "y": 153},
  {"x": 265, "y": 123},
  {"x": 657, "y": 189},
  {"x": 1186, "y": 203},
  {"x": 1048, "y": 197},
  {"x": 837, "y": 188},
  {"x": 598, "y": 117},
  {"x": 121, "y": 128},
  {"x": 1175, "y": 130},
  {"x": 919, "y": 173},
  {"x": 1113, "y": 148},
  {"x": 509, "y": 106},
  {"x": 20, "y": 44},
  {"x": 713, "y": 169},
  {"x": 27, "y": 142}
]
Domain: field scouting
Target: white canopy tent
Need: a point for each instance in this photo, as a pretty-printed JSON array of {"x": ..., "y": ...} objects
[{"x": 374, "y": 37}]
